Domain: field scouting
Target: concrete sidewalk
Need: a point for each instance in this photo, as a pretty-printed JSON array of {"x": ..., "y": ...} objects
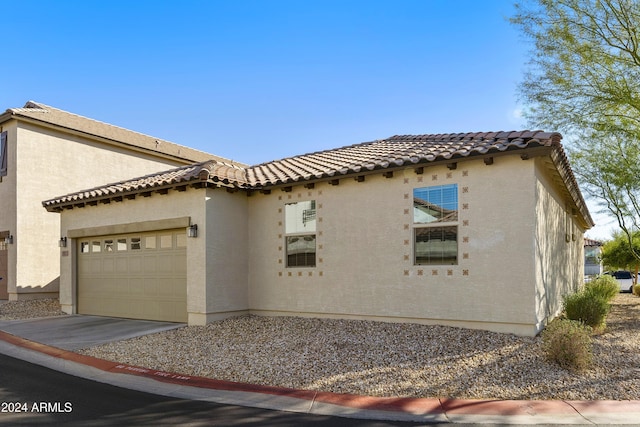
[{"x": 396, "y": 409}]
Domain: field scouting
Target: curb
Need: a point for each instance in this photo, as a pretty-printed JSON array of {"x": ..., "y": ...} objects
[{"x": 326, "y": 403}]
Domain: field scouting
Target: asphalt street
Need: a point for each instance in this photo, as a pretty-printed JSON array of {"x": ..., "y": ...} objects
[{"x": 47, "y": 397}]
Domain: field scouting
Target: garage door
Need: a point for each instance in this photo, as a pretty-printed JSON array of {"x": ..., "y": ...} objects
[{"x": 136, "y": 276}]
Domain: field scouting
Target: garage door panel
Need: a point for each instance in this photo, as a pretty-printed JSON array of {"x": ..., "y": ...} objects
[
  {"x": 135, "y": 265},
  {"x": 165, "y": 263},
  {"x": 140, "y": 276},
  {"x": 136, "y": 287},
  {"x": 122, "y": 265},
  {"x": 108, "y": 265},
  {"x": 149, "y": 262}
]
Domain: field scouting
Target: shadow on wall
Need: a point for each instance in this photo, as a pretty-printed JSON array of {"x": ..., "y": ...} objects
[
  {"x": 556, "y": 260},
  {"x": 50, "y": 290}
]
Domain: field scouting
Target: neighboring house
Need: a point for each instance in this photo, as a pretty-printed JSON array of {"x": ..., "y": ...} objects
[
  {"x": 478, "y": 230},
  {"x": 592, "y": 257},
  {"x": 45, "y": 151}
]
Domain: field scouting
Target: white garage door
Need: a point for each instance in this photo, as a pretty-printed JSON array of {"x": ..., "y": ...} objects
[{"x": 136, "y": 276}]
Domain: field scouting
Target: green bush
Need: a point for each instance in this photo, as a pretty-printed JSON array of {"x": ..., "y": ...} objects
[
  {"x": 586, "y": 307},
  {"x": 605, "y": 286},
  {"x": 568, "y": 343}
]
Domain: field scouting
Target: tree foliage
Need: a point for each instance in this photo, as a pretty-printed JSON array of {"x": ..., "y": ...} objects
[
  {"x": 583, "y": 79},
  {"x": 585, "y": 68},
  {"x": 616, "y": 253}
]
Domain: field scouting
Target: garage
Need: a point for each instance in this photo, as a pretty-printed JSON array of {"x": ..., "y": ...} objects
[{"x": 136, "y": 276}]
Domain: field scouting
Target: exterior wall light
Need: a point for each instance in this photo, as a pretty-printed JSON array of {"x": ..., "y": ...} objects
[
  {"x": 8, "y": 240},
  {"x": 63, "y": 242},
  {"x": 192, "y": 230}
]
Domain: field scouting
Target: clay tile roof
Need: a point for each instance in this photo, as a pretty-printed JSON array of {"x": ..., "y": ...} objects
[
  {"x": 396, "y": 151},
  {"x": 209, "y": 171},
  {"x": 51, "y": 116},
  {"x": 591, "y": 242},
  {"x": 393, "y": 152}
]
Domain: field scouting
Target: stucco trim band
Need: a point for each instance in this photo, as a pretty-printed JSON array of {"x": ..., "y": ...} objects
[{"x": 132, "y": 227}]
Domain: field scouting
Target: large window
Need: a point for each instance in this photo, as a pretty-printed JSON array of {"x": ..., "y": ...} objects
[
  {"x": 300, "y": 230},
  {"x": 435, "y": 225}
]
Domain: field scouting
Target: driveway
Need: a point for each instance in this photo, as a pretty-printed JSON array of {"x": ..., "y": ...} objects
[{"x": 74, "y": 332}]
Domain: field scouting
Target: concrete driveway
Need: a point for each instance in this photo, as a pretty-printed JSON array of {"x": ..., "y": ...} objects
[{"x": 74, "y": 332}]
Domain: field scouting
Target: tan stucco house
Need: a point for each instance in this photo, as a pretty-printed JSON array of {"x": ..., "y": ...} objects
[
  {"x": 45, "y": 151},
  {"x": 479, "y": 230}
]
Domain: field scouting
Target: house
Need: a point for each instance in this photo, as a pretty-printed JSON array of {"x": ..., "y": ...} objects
[
  {"x": 592, "y": 257},
  {"x": 45, "y": 151},
  {"x": 477, "y": 230}
]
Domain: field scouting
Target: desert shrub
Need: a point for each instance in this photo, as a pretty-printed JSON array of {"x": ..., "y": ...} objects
[
  {"x": 568, "y": 343},
  {"x": 636, "y": 290},
  {"x": 586, "y": 307},
  {"x": 605, "y": 286}
]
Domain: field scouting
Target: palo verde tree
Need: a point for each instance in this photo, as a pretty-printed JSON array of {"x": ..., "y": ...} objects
[{"x": 583, "y": 79}]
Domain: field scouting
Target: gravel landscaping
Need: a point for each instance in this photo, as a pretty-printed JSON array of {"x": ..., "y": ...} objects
[{"x": 387, "y": 359}]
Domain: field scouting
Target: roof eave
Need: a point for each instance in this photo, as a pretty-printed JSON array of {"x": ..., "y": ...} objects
[{"x": 525, "y": 153}]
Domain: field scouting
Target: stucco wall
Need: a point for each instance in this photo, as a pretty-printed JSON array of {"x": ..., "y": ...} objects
[
  {"x": 216, "y": 259},
  {"x": 8, "y": 213},
  {"x": 226, "y": 256},
  {"x": 365, "y": 250},
  {"x": 559, "y": 250},
  {"x": 49, "y": 164}
]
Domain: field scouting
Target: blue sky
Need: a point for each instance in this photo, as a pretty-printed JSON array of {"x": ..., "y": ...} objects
[{"x": 258, "y": 80}]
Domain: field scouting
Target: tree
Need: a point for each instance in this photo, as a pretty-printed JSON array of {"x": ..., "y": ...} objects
[
  {"x": 583, "y": 79},
  {"x": 617, "y": 254}
]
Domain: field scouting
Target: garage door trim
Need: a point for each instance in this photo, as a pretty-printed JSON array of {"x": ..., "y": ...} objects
[{"x": 129, "y": 228}]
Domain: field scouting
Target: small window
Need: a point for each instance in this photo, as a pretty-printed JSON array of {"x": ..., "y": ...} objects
[
  {"x": 301, "y": 251},
  {"x": 136, "y": 244},
  {"x": 96, "y": 247},
  {"x": 435, "y": 228},
  {"x": 436, "y": 245},
  {"x": 150, "y": 242},
  {"x": 300, "y": 228},
  {"x": 84, "y": 247},
  {"x": 435, "y": 204},
  {"x": 166, "y": 241},
  {"x": 181, "y": 240},
  {"x": 108, "y": 245},
  {"x": 121, "y": 245}
]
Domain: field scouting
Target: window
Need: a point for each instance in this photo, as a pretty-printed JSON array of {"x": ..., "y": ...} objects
[
  {"x": 121, "y": 244},
  {"x": 300, "y": 229},
  {"x": 591, "y": 256},
  {"x": 3, "y": 154},
  {"x": 108, "y": 245},
  {"x": 84, "y": 247},
  {"x": 166, "y": 241},
  {"x": 95, "y": 246},
  {"x": 435, "y": 228},
  {"x": 136, "y": 244},
  {"x": 150, "y": 242}
]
